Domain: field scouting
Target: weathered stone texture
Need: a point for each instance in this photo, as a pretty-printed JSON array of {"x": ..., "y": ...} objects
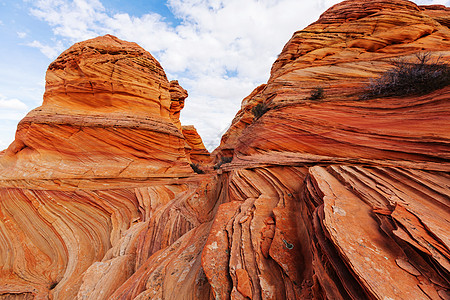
[{"x": 330, "y": 198}]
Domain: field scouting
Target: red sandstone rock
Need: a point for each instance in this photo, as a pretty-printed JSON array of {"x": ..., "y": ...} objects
[
  {"x": 350, "y": 43},
  {"x": 438, "y": 12},
  {"x": 106, "y": 100},
  {"x": 96, "y": 179},
  {"x": 335, "y": 198},
  {"x": 195, "y": 148},
  {"x": 372, "y": 220},
  {"x": 177, "y": 97}
]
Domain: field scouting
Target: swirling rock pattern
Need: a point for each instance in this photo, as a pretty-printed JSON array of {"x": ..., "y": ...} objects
[
  {"x": 365, "y": 211},
  {"x": 329, "y": 198},
  {"x": 98, "y": 177},
  {"x": 106, "y": 114}
]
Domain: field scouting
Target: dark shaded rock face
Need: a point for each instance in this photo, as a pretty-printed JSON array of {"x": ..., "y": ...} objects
[{"x": 325, "y": 197}]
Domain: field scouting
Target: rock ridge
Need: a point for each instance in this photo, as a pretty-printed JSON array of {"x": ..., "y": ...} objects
[{"x": 321, "y": 196}]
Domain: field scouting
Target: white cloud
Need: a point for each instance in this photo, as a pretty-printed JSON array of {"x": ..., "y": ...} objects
[
  {"x": 430, "y": 2},
  {"x": 219, "y": 52},
  {"x": 12, "y": 104},
  {"x": 12, "y": 116},
  {"x": 11, "y": 111},
  {"x": 4, "y": 144},
  {"x": 50, "y": 51},
  {"x": 7, "y": 132},
  {"x": 21, "y": 35},
  {"x": 77, "y": 19}
]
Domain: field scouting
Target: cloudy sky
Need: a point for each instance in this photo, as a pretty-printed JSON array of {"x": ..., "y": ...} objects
[{"x": 219, "y": 50}]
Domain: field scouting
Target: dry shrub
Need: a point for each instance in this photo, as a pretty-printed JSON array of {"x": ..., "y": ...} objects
[
  {"x": 259, "y": 109},
  {"x": 410, "y": 78}
]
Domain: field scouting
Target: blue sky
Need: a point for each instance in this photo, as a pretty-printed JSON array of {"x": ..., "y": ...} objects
[{"x": 219, "y": 50}]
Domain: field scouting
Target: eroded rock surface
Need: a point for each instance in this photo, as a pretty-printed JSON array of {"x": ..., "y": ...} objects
[
  {"x": 106, "y": 114},
  {"x": 328, "y": 198},
  {"x": 98, "y": 179},
  {"x": 194, "y": 146},
  {"x": 364, "y": 213}
]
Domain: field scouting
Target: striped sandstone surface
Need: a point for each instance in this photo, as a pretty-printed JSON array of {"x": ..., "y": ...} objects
[{"x": 336, "y": 198}]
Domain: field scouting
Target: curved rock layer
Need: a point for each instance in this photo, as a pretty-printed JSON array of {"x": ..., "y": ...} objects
[
  {"x": 332, "y": 198},
  {"x": 98, "y": 179},
  {"x": 351, "y": 43},
  {"x": 195, "y": 147},
  {"x": 361, "y": 208},
  {"x": 108, "y": 112},
  {"x": 87, "y": 243},
  {"x": 336, "y": 232}
]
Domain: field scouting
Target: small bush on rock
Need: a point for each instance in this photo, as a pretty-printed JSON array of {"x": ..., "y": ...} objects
[
  {"x": 259, "y": 109},
  {"x": 196, "y": 168},
  {"x": 410, "y": 78},
  {"x": 317, "y": 94},
  {"x": 223, "y": 160}
]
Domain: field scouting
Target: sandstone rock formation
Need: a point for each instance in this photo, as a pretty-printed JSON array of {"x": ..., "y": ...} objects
[
  {"x": 98, "y": 167},
  {"x": 177, "y": 97},
  {"x": 106, "y": 114},
  {"x": 195, "y": 148},
  {"x": 358, "y": 204},
  {"x": 332, "y": 198}
]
